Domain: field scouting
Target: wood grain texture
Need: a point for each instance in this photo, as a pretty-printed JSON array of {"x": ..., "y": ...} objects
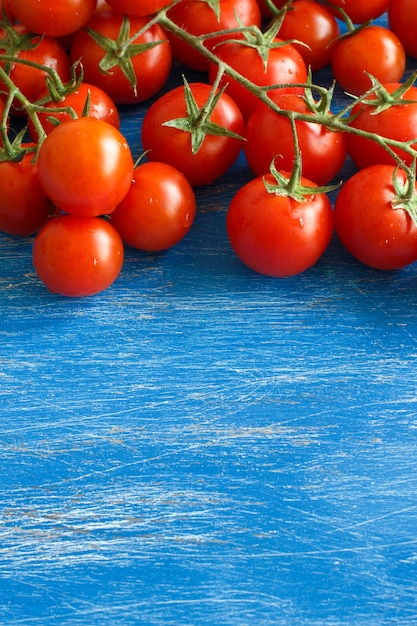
[{"x": 203, "y": 445}]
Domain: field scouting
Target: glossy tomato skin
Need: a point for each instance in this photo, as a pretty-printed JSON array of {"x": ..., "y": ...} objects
[
  {"x": 158, "y": 210},
  {"x": 198, "y": 17},
  {"x": 151, "y": 67},
  {"x": 85, "y": 166},
  {"x": 375, "y": 50},
  {"x": 397, "y": 122},
  {"x": 173, "y": 146},
  {"x": 402, "y": 20},
  {"x": 374, "y": 232},
  {"x": 138, "y": 8},
  {"x": 314, "y": 25},
  {"x": 54, "y": 18},
  {"x": 24, "y": 206},
  {"x": 276, "y": 235},
  {"x": 31, "y": 81},
  {"x": 77, "y": 256},
  {"x": 269, "y": 137},
  {"x": 101, "y": 106},
  {"x": 360, "y": 11},
  {"x": 285, "y": 66}
]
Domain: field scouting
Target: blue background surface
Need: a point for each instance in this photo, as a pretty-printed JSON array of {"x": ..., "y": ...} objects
[{"x": 203, "y": 445}]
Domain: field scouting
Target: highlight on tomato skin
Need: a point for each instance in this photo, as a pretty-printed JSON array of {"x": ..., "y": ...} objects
[
  {"x": 77, "y": 256},
  {"x": 52, "y": 18}
]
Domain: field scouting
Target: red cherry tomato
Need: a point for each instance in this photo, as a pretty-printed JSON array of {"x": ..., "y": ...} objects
[
  {"x": 402, "y": 20},
  {"x": 360, "y": 11},
  {"x": 369, "y": 226},
  {"x": 77, "y": 256},
  {"x": 174, "y": 146},
  {"x": 276, "y": 235},
  {"x": 158, "y": 210},
  {"x": 373, "y": 49},
  {"x": 269, "y": 136},
  {"x": 138, "y": 8},
  {"x": 85, "y": 166},
  {"x": 150, "y": 67},
  {"x": 53, "y": 18}
]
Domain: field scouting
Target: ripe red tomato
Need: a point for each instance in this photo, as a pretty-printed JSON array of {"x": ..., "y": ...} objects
[
  {"x": 373, "y": 49},
  {"x": 31, "y": 81},
  {"x": 402, "y": 20},
  {"x": 77, "y": 256},
  {"x": 397, "y": 122},
  {"x": 368, "y": 225},
  {"x": 158, "y": 210},
  {"x": 285, "y": 65},
  {"x": 5, "y": 6},
  {"x": 174, "y": 146},
  {"x": 150, "y": 67},
  {"x": 360, "y": 11},
  {"x": 101, "y": 106},
  {"x": 277, "y": 235},
  {"x": 24, "y": 206},
  {"x": 198, "y": 17},
  {"x": 53, "y": 18},
  {"x": 315, "y": 26},
  {"x": 269, "y": 136},
  {"x": 85, "y": 166},
  {"x": 134, "y": 8}
]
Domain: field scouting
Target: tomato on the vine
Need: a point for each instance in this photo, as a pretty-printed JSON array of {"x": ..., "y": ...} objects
[
  {"x": 53, "y": 18},
  {"x": 200, "y": 17},
  {"x": 172, "y": 124},
  {"x": 158, "y": 210},
  {"x": 284, "y": 66},
  {"x": 402, "y": 20},
  {"x": 77, "y": 256},
  {"x": 370, "y": 225},
  {"x": 85, "y": 166},
  {"x": 268, "y": 136},
  {"x": 278, "y": 235},
  {"x": 127, "y": 73},
  {"x": 396, "y": 121},
  {"x": 312, "y": 24},
  {"x": 359, "y": 11},
  {"x": 371, "y": 50},
  {"x": 24, "y": 205},
  {"x": 101, "y": 106}
]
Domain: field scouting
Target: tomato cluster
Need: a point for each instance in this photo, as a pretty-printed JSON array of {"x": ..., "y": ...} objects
[{"x": 69, "y": 179}]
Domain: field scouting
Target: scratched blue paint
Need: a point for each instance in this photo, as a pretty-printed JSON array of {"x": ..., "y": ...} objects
[{"x": 203, "y": 445}]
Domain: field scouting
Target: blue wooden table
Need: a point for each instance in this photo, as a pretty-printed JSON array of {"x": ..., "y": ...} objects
[{"x": 203, "y": 445}]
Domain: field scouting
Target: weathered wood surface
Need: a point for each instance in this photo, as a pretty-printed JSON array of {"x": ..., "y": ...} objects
[{"x": 203, "y": 445}]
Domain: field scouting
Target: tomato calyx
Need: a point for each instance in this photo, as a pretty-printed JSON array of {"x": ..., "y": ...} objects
[
  {"x": 120, "y": 51},
  {"x": 405, "y": 191},
  {"x": 198, "y": 120},
  {"x": 382, "y": 99},
  {"x": 291, "y": 186}
]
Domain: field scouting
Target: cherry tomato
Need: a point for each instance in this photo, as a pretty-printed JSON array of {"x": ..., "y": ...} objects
[
  {"x": 77, "y": 256},
  {"x": 24, "y": 206},
  {"x": 135, "y": 8},
  {"x": 269, "y": 136},
  {"x": 402, "y": 20},
  {"x": 369, "y": 226},
  {"x": 174, "y": 146},
  {"x": 360, "y": 11},
  {"x": 5, "y": 6},
  {"x": 158, "y": 210},
  {"x": 373, "y": 49},
  {"x": 312, "y": 24},
  {"x": 53, "y": 18},
  {"x": 31, "y": 81},
  {"x": 276, "y": 235},
  {"x": 397, "y": 122},
  {"x": 150, "y": 67},
  {"x": 85, "y": 166},
  {"x": 198, "y": 17},
  {"x": 285, "y": 65},
  {"x": 101, "y": 106}
]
